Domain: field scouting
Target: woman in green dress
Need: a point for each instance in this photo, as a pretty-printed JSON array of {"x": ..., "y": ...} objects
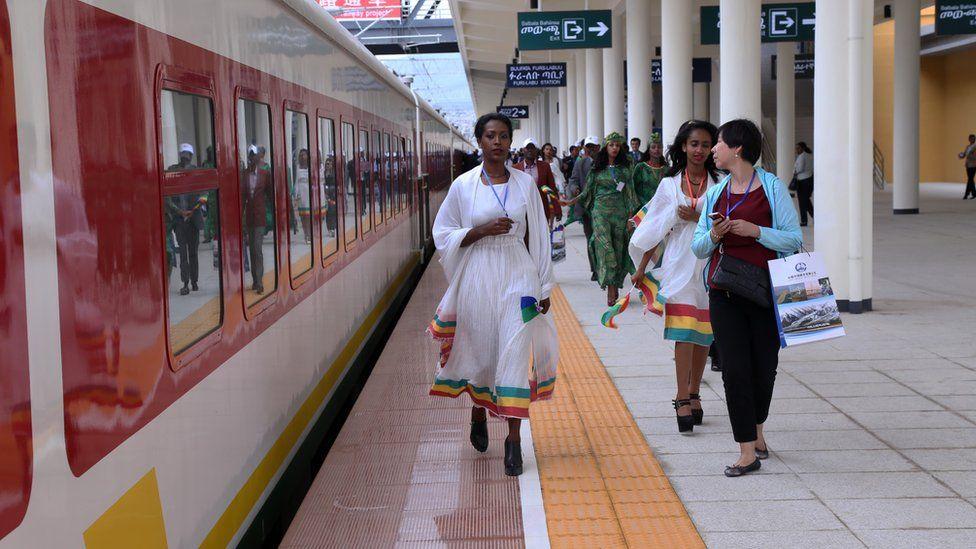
[
  {"x": 610, "y": 199},
  {"x": 650, "y": 170}
]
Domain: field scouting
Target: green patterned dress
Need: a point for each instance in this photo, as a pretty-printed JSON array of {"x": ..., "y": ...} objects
[
  {"x": 646, "y": 180},
  {"x": 610, "y": 209}
]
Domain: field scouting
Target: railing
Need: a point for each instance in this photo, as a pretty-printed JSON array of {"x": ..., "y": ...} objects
[{"x": 879, "y": 168}]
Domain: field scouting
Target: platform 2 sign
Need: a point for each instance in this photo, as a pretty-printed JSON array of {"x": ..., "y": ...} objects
[
  {"x": 955, "y": 17},
  {"x": 535, "y": 75},
  {"x": 780, "y": 23},
  {"x": 701, "y": 70},
  {"x": 562, "y": 30},
  {"x": 513, "y": 111}
]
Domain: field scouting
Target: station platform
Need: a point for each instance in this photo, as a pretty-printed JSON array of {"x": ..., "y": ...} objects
[{"x": 872, "y": 436}]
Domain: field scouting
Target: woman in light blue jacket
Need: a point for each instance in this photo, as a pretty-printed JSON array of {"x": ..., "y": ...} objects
[{"x": 755, "y": 222}]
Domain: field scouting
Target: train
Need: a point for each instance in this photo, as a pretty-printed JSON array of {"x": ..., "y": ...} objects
[{"x": 210, "y": 209}]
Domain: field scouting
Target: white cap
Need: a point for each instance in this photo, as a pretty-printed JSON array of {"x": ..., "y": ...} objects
[
  {"x": 529, "y": 141},
  {"x": 186, "y": 148},
  {"x": 252, "y": 149},
  {"x": 591, "y": 140}
]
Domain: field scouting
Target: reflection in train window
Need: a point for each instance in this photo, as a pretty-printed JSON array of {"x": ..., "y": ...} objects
[
  {"x": 328, "y": 196},
  {"x": 187, "y": 128},
  {"x": 193, "y": 292},
  {"x": 350, "y": 221},
  {"x": 377, "y": 180},
  {"x": 258, "y": 226},
  {"x": 364, "y": 187},
  {"x": 299, "y": 192},
  {"x": 401, "y": 165},
  {"x": 408, "y": 159},
  {"x": 388, "y": 190}
]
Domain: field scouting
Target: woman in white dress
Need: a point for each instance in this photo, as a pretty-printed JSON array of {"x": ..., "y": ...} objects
[
  {"x": 549, "y": 154},
  {"x": 498, "y": 345},
  {"x": 675, "y": 287}
]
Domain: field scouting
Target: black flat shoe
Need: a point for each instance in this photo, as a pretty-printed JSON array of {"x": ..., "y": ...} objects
[
  {"x": 513, "y": 458},
  {"x": 762, "y": 454},
  {"x": 697, "y": 414},
  {"x": 686, "y": 424},
  {"x": 739, "y": 470},
  {"x": 479, "y": 435}
]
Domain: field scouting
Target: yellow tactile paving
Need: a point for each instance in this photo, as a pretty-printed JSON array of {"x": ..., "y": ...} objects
[{"x": 601, "y": 484}]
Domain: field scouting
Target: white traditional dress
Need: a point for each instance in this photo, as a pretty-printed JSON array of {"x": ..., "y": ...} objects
[
  {"x": 674, "y": 287},
  {"x": 495, "y": 346}
]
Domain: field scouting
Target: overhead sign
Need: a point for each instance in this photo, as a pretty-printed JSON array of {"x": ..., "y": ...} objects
[
  {"x": 802, "y": 66},
  {"x": 558, "y": 30},
  {"x": 535, "y": 75},
  {"x": 513, "y": 111},
  {"x": 955, "y": 17},
  {"x": 362, "y": 10},
  {"x": 701, "y": 70},
  {"x": 780, "y": 23}
]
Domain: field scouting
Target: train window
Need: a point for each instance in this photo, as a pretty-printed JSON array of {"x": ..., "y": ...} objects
[
  {"x": 364, "y": 180},
  {"x": 194, "y": 292},
  {"x": 408, "y": 156},
  {"x": 401, "y": 175},
  {"x": 258, "y": 222},
  {"x": 388, "y": 189},
  {"x": 187, "y": 131},
  {"x": 350, "y": 222},
  {"x": 377, "y": 180},
  {"x": 328, "y": 195},
  {"x": 299, "y": 192}
]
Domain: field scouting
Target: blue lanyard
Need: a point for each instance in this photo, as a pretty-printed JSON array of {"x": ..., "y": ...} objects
[
  {"x": 501, "y": 201},
  {"x": 728, "y": 195}
]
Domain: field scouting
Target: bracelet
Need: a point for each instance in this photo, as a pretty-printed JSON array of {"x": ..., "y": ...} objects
[{"x": 715, "y": 237}]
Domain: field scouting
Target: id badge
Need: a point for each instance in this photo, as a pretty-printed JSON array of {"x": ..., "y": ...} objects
[{"x": 620, "y": 186}]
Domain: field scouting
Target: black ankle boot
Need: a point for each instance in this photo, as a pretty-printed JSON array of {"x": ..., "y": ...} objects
[
  {"x": 697, "y": 414},
  {"x": 479, "y": 435},
  {"x": 513, "y": 458},
  {"x": 685, "y": 423}
]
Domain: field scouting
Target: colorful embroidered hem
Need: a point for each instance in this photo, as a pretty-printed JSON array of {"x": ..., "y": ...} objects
[
  {"x": 443, "y": 330},
  {"x": 650, "y": 291},
  {"x": 503, "y": 401},
  {"x": 688, "y": 324}
]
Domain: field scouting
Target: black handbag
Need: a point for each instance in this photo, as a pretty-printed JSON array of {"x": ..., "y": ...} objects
[
  {"x": 743, "y": 279},
  {"x": 793, "y": 183}
]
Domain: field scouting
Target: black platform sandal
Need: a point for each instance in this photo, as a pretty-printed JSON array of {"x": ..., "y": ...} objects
[
  {"x": 697, "y": 414},
  {"x": 513, "y": 458},
  {"x": 479, "y": 435},
  {"x": 739, "y": 470},
  {"x": 685, "y": 423},
  {"x": 762, "y": 454}
]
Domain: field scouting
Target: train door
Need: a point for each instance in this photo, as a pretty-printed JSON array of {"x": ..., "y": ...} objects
[{"x": 423, "y": 192}]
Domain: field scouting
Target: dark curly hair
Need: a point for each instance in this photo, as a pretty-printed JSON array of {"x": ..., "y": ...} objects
[
  {"x": 677, "y": 159},
  {"x": 602, "y": 159}
]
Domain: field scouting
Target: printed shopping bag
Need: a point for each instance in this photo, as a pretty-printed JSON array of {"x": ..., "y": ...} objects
[
  {"x": 558, "y": 239},
  {"x": 806, "y": 309}
]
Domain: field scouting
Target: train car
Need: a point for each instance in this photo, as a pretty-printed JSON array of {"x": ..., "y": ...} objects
[{"x": 209, "y": 210}]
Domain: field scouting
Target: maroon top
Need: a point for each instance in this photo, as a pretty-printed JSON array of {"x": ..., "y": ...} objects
[{"x": 754, "y": 210}]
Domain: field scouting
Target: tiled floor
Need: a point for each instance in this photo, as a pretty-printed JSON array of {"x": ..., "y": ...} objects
[{"x": 873, "y": 436}]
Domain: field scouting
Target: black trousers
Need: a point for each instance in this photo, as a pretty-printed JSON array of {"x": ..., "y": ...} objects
[
  {"x": 804, "y": 192},
  {"x": 970, "y": 186},
  {"x": 188, "y": 239},
  {"x": 748, "y": 342}
]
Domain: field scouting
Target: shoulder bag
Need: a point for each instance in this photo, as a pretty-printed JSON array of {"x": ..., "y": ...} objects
[{"x": 743, "y": 279}]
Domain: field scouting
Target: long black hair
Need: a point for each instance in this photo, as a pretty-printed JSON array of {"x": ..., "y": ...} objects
[
  {"x": 677, "y": 159},
  {"x": 603, "y": 158},
  {"x": 803, "y": 147}
]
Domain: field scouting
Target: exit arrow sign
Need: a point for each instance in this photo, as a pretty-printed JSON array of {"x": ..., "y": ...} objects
[
  {"x": 557, "y": 30},
  {"x": 793, "y": 22}
]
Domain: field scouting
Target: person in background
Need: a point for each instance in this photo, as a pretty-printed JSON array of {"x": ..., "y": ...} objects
[
  {"x": 581, "y": 170},
  {"x": 649, "y": 170},
  {"x": 257, "y": 191},
  {"x": 755, "y": 221},
  {"x": 569, "y": 161},
  {"x": 803, "y": 172},
  {"x": 635, "y": 153},
  {"x": 610, "y": 199},
  {"x": 186, "y": 210},
  {"x": 543, "y": 178},
  {"x": 549, "y": 155},
  {"x": 302, "y": 194},
  {"x": 970, "y": 155}
]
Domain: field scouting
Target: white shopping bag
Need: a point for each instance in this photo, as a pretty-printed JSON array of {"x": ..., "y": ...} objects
[
  {"x": 806, "y": 309},
  {"x": 558, "y": 239}
]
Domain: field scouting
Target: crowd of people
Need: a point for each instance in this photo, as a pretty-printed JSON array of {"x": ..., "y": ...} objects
[{"x": 691, "y": 228}]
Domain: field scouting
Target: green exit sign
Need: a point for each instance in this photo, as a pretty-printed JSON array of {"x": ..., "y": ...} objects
[
  {"x": 793, "y": 22},
  {"x": 564, "y": 30}
]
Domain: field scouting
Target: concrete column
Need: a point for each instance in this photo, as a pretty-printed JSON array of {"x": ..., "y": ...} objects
[
  {"x": 701, "y": 100},
  {"x": 572, "y": 133},
  {"x": 564, "y": 139},
  {"x": 676, "y": 88},
  {"x": 830, "y": 119},
  {"x": 581, "y": 102},
  {"x": 740, "y": 54},
  {"x": 905, "y": 148},
  {"x": 715, "y": 94},
  {"x": 864, "y": 184},
  {"x": 613, "y": 82},
  {"x": 785, "y": 110},
  {"x": 640, "y": 101},
  {"x": 594, "y": 91}
]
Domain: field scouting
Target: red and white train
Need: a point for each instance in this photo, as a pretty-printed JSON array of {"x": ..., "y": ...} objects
[{"x": 207, "y": 208}]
